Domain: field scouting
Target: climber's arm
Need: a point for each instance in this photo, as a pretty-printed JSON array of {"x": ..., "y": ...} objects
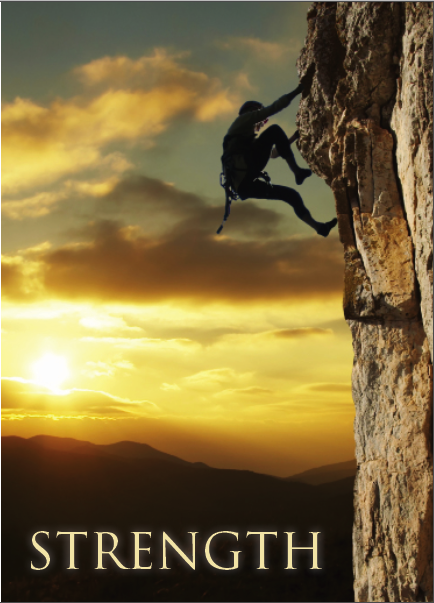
[{"x": 247, "y": 120}]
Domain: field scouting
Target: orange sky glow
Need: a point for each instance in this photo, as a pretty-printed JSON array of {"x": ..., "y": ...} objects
[{"x": 125, "y": 317}]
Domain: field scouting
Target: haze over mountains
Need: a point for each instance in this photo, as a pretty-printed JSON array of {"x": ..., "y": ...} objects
[{"x": 127, "y": 449}]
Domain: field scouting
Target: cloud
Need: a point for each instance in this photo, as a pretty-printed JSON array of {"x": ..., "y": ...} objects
[
  {"x": 35, "y": 206},
  {"x": 212, "y": 378},
  {"x": 24, "y": 399},
  {"x": 246, "y": 397},
  {"x": 21, "y": 275},
  {"x": 13, "y": 279},
  {"x": 150, "y": 71},
  {"x": 332, "y": 388},
  {"x": 300, "y": 333},
  {"x": 135, "y": 102},
  {"x": 184, "y": 260},
  {"x": 106, "y": 369},
  {"x": 261, "y": 49},
  {"x": 223, "y": 382},
  {"x": 44, "y": 203},
  {"x": 141, "y": 192},
  {"x": 99, "y": 321},
  {"x": 158, "y": 201},
  {"x": 242, "y": 82},
  {"x": 142, "y": 343},
  {"x": 170, "y": 387},
  {"x": 262, "y": 338},
  {"x": 246, "y": 391},
  {"x": 188, "y": 264}
]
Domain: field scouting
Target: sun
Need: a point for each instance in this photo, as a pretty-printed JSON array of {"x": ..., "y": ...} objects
[{"x": 51, "y": 371}]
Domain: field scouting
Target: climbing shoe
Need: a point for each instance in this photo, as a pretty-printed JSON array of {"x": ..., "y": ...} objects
[
  {"x": 301, "y": 175},
  {"x": 325, "y": 228}
]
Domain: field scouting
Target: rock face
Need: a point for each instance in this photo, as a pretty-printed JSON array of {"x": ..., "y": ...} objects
[{"x": 365, "y": 123}]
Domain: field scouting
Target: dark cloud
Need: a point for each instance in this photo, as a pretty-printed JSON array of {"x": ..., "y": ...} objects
[
  {"x": 152, "y": 193},
  {"x": 188, "y": 261},
  {"x": 151, "y": 198},
  {"x": 11, "y": 277},
  {"x": 14, "y": 282},
  {"x": 302, "y": 332}
]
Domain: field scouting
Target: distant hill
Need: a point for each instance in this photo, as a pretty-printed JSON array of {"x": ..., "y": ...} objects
[
  {"x": 125, "y": 449},
  {"x": 326, "y": 473},
  {"x": 62, "y": 484}
]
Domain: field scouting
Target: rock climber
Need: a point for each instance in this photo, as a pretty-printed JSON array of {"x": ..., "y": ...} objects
[{"x": 245, "y": 155}]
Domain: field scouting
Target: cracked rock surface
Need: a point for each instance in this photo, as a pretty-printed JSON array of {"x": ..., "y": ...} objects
[{"x": 365, "y": 123}]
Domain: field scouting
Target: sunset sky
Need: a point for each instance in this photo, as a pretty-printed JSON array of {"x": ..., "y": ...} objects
[{"x": 124, "y": 315}]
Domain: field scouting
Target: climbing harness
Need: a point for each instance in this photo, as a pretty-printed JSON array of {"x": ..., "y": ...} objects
[
  {"x": 238, "y": 147},
  {"x": 232, "y": 195}
]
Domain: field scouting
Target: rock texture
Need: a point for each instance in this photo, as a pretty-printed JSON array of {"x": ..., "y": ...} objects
[{"x": 365, "y": 121}]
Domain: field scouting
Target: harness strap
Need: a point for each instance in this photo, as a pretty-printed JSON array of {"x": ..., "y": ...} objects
[
  {"x": 231, "y": 195},
  {"x": 227, "y": 208}
]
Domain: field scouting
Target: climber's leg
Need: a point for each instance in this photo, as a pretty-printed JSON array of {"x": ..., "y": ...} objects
[
  {"x": 300, "y": 173},
  {"x": 261, "y": 150},
  {"x": 258, "y": 189},
  {"x": 290, "y": 196}
]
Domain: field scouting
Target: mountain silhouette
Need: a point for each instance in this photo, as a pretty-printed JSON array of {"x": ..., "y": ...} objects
[
  {"x": 124, "y": 449},
  {"x": 326, "y": 473},
  {"x": 61, "y": 484}
]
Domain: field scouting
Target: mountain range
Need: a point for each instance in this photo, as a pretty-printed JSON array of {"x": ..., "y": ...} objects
[{"x": 61, "y": 484}]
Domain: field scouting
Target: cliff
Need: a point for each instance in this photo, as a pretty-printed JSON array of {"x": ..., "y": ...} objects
[{"x": 365, "y": 121}]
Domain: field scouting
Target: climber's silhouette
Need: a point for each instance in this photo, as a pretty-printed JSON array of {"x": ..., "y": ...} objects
[{"x": 245, "y": 155}]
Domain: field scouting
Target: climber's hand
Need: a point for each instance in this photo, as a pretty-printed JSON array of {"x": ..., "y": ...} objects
[{"x": 296, "y": 92}]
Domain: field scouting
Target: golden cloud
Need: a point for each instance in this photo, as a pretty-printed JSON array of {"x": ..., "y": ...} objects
[
  {"x": 121, "y": 71},
  {"x": 35, "y": 206},
  {"x": 212, "y": 378},
  {"x": 41, "y": 144},
  {"x": 246, "y": 391},
  {"x": 44, "y": 203},
  {"x": 300, "y": 332},
  {"x": 21, "y": 275},
  {"x": 25, "y": 399},
  {"x": 332, "y": 388},
  {"x": 106, "y": 369},
  {"x": 191, "y": 264},
  {"x": 187, "y": 264},
  {"x": 100, "y": 321},
  {"x": 261, "y": 338},
  {"x": 187, "y": 261},
  {"x": 261, "y": 49}
]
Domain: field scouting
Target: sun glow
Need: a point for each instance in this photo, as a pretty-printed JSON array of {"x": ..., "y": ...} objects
[{"x": 51, "y": 371}]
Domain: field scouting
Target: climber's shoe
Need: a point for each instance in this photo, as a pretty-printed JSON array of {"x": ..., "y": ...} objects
[
  {"x": 301, "y": 175},
  {"x": 296, "y": 92},
  {"x": 325, "y": 228}
]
